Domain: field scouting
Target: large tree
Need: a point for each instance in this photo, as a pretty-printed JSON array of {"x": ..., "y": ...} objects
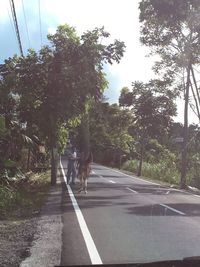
[
  {"x": 172, "y": 30},
  {"x": 55, "y": 84},
  {"x": 153, "y": 107}
]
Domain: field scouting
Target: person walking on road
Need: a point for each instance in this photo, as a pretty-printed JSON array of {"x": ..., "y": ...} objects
[{"x": 71, "y": 169}]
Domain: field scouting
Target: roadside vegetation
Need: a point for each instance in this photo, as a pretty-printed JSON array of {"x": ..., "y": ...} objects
[
  {"x": 44, "y": 97},
  {"x": 23, "y": 198},
  {"x": 150, "y": 142},
  {"x": 118, "y": 142},
  {"x": 55, "y": 95}
]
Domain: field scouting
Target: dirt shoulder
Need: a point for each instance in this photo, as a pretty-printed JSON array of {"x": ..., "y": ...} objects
[
  {"x": 15, "y": 240},
  {"x": 19, "y": 217}
]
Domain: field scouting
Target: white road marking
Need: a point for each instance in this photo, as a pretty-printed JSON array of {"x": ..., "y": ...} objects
[
  {"x": 163, "y": 205},
  {"x": 111, "y": 181},
  {"x": 133, "y": 177},
  {"x": 132, "y": 190},
  {"x": 170, "y": 208},
  {"x": 92, "y": 250},
  {"x": 106, "y": 179},
  {"x": 167, "y": 189}
]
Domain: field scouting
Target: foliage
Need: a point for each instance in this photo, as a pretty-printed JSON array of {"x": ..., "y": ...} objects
[
  {"x": 65, "y": 74},
  {"x": 109, "y": 131},
  {"x": 62, "y": 138},
  {"x": 171, "y": 29},
  {"x": 152, "y": 105},
  {"x": 155, "y": 153},
  {"x": 165, "y": 171},
  {"x": 22, "y": 198},
  {"x": 46, "y": 92}
]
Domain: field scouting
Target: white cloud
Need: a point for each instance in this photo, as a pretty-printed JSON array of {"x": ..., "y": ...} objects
[{"x": 52, "y": 30}]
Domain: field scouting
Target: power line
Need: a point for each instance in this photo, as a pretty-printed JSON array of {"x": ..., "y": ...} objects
[
  {"x": 26, "y": 24},
  {"x": 40, "y": 23},
  {"x": 12, "y": 5},
  {"x": 12, "y": 26}
]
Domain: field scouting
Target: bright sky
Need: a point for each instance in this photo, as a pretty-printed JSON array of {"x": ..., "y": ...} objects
[{"x": 120, "y": 18}]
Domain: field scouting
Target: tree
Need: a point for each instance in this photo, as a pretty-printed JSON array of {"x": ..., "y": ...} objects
[
  {"x": 152, "y": 106},
  {"x": 109, "y": 132},
  {"x": 55, "y": 84},
  {"x": 172, "y": 30},
  {"x": 13, "y": 136}
]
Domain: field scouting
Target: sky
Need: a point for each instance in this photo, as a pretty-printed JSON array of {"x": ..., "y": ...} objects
[{"x": 119, "y": 17}]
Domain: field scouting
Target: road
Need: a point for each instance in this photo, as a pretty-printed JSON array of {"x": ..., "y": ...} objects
[{"x": 124, "y": 219}]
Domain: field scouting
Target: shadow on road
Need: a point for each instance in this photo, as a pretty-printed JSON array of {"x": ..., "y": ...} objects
[{"x": 157, "y": 210}]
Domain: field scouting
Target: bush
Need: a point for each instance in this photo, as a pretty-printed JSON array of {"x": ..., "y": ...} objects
[
  {"x": 163, "y": 171},
  {"x": 22, "y": 197}
]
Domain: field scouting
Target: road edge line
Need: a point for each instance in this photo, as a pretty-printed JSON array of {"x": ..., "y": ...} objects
[
  {"x": 91, "y": 247},
  {"x": 128, "y": 175},
  {"x": 175, "y": 189}
]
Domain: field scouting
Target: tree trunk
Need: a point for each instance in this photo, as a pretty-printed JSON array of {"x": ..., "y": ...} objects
[
  {"x": 28, "y": 159},
  {"x": 185, "y": 133},
  {"x": 53, "y": 149},
  {"x": 54, "y": 163},
  {"x": 120, "y": 161},
  {"x": 141, "y": 160},
  {"x": 85, "y": 133}
]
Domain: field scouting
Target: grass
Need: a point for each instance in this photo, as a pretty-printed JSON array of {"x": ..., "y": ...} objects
[
  {"x": 24, "y": 198},
  {"x": 161, "y": 171}
]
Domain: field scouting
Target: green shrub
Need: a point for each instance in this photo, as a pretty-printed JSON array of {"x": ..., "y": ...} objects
[
  {"x": 163, "y": 171},
  {"x": 23, "y": 198}
]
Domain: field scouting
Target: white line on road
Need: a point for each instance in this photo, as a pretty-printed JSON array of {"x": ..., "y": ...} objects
[
  {"x": 111, "y": 181},
  {"x": 170, "y": 208},
  {"x": 140, "y": 179},
  {"x": 132, "y": 190},
  {"x": 92, "y": 250},
  {"x": 106, "y": 179},
  {"x": 133, "y": 177},
  {"x": 163, "y": 205}
]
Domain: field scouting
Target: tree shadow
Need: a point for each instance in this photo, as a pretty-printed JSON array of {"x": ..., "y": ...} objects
[
  {"x": 189, "y": 209},
  {"x": 155, "y": 189}
]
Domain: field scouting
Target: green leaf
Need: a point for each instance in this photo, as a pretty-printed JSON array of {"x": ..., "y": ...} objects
[
  {"x": 9, "y": 163},
  {"x": 2, "y": 126}
]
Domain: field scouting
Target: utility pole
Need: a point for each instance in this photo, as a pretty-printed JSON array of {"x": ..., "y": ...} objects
[{"x": 184, "y": 162}]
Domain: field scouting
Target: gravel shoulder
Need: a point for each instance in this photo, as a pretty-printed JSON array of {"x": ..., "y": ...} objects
[
  {"x": 31, "y": 234},
  {"x": 47, "y": 244},
  {"x": 15, "y": 240}
]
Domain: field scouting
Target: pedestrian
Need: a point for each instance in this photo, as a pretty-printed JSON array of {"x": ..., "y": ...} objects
[{"x": 71, "y": 168}]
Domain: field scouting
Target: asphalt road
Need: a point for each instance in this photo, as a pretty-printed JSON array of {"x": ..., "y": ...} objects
[{"x": 127, "y": 220}]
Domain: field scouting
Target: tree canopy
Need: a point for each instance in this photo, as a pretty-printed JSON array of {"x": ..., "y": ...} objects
[{"x": 55, "y": 84}]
